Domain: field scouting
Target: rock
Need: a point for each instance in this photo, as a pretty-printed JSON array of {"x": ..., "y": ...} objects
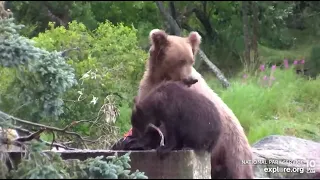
[{"x": 286, "y": 157}]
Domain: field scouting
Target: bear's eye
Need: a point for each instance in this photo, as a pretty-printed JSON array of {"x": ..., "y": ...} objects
[{"x": 182, "y": 62}]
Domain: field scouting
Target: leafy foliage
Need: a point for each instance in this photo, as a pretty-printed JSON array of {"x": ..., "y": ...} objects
[
  {"x": 46, "y": 80},
  {"x": 49, "y": 165},
  {"x": 42, "y": 77},
  {"x": 314, "y": 63},
  {"x": 273, "y": 17},
  {"x": 35, "y": 14},
  {"x": 12, "y": 54},
  {"x": 106, "y": 55}
]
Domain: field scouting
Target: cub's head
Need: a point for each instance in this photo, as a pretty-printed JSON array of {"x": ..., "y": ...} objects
[
  {"x": 172, "y": 57},
  {"x": 140, "y": 119}
]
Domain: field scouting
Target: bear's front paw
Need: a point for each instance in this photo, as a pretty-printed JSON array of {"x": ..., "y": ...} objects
[
  {"x": 162, "y": 152},
  {"x": 136, "y": 147},
  {"x": 187, "y": 149}
]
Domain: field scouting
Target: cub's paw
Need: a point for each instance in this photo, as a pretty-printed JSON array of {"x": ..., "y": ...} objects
[
  {"x": 136, "y": 147},
  {"x": 162, "y": 152}
]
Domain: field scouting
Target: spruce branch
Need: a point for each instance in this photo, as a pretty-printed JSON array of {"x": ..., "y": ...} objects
[{"x": 48, "y": 129}]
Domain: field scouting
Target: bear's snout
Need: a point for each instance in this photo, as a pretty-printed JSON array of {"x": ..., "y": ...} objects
[{"x": 189, "y": 81}]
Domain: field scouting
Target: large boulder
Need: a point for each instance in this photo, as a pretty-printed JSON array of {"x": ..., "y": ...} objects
[{"x": 286, "y": 157}]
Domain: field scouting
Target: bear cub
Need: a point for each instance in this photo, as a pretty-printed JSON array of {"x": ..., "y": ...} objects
[
  {"x": 189, "y": 119},
  {"x": 149, "y": 140},
  {"x": 170, "y": 58}
]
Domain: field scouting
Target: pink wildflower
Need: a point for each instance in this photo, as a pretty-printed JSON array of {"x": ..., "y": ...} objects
[
  {"x": 286, "y": 63},
  {"x": 295, "y": 62},
  {"x": 262, "y": 67},
  {"x": 273, "y": 78},
  {"x": 302, "y": 61},
  {"x": 273, "y": 67},
  {"x": 265, "y": 78},
  {"x": 245, "y": 76}
]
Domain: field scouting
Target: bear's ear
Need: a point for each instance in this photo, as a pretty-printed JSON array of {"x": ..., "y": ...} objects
[
  {"x": 158, "y": 37},
  {"x": 137, "y": 109},
  {"x": 135, "y": 112},
  {"x": 135, "y": 99},
  {"x": 195, "y": 41}
]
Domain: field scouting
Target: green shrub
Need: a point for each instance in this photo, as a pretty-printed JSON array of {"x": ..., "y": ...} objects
[
  {"x": 123, "y": 122},
  {"x": 40, "y": 77},
  {"x": 106, "y": 62},
  {"x": 49, "y": 165},
  {"x": 108, "y": 66},
  {"x": 313, "y": 64}
]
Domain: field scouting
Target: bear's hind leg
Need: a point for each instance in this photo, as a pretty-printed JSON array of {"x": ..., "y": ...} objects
[{"x": 170, "y": 144}]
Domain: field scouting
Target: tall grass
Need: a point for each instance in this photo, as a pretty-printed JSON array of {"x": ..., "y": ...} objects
[{"x": 288, "y": 104}]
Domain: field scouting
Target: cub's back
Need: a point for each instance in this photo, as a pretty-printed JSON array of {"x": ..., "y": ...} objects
[
  {"x": 178, "y": 94},
  {"x": 194, "y": 116}
]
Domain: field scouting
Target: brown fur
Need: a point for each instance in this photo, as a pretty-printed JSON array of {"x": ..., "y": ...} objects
[
  {"x": 171, "y": 58},
  {"x": 163, "y": 64},
  {"x": 233, "y": 131},
  {"x": 193, "y": 121},
  {"x": 149, "y": 140}
]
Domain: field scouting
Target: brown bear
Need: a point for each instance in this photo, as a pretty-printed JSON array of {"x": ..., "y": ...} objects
[
  {"x": 150, "y": 140},
  {"x": 193, "y": 121},
  {"x": 171, "y": 58},
  {"x": 134, "y": 140}
]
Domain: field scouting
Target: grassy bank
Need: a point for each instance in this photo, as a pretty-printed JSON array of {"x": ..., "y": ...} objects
[{"x": 289, "y": 106}]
